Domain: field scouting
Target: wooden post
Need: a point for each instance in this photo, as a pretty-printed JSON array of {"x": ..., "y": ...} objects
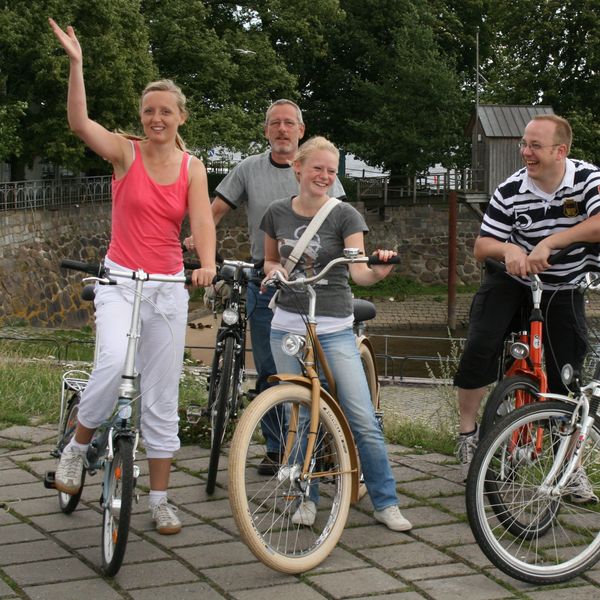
[{"x": 452, "y": 226}]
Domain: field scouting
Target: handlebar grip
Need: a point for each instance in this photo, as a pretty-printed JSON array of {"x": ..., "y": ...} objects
[
  {"x": 556, "y": 258},
  {"x": 75, "y": 265},
  {"x": 375, "y": 260},
  {"x": 191, "y": 264},
  {"x": 492, "y": 265}
]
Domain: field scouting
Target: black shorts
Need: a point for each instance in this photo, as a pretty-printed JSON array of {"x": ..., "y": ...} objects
[{"x": 493, "y": 310}]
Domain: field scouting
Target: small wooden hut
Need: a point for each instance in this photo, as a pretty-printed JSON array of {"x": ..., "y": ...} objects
[{"x": 495, "y": 132}]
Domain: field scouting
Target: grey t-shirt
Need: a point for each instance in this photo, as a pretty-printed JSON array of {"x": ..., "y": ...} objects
[
  {"x": 259, "y": 181},
  {"x": 334, "y": 298}
]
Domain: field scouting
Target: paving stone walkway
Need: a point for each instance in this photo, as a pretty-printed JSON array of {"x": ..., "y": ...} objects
[{"x": 45, "y": 555}]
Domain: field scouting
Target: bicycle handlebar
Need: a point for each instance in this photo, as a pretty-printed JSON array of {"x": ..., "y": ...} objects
[
  {"x": 103, "y": 274},
  {"x": 343, "y": 260},
  {"x": 495, "y": 265}
]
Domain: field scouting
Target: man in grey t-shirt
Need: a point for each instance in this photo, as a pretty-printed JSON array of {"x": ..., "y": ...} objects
[{"x": 258, "y": 181}]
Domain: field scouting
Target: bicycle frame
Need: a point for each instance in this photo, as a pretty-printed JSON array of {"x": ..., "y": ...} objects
[
  {"x": 312, "y": 381},
  {"x": 313, "y": 354}
]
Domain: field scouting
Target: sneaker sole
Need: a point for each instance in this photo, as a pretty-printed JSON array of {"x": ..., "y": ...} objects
[
  {"x": 65, "y": 489},
  {"x": 169, "y": 530}
]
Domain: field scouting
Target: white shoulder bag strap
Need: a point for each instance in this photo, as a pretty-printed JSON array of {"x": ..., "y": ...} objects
[{"x": 309, "y": 233}]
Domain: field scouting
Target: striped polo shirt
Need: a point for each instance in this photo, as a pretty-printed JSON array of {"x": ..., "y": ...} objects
[{"x": 520, "y": 213}]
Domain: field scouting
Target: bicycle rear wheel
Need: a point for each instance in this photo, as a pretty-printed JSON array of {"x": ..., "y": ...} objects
[
  {"x": 118, "y": 498},
  {"x": 68, "y": 502},
  {"x": 510, "y": 393},
  {"x": 525, "y": 530},
  {"x": 225, "y": 391},
  {"x": 263, "y": 507}
]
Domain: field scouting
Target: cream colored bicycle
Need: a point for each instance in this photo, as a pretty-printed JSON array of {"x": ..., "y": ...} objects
[{"x": 319, "y": 450}]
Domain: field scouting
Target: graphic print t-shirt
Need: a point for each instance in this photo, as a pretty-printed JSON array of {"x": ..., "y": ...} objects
[{"x": 280, "y": 222}]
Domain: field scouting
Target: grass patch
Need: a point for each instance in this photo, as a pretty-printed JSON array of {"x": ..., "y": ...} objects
[
  {"x": 401, "y": 288},
  {"x": 420, "y": 436},
  {"x": 29, "y": 388}
]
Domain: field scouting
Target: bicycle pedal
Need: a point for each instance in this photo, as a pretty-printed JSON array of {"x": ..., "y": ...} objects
[
  {"x": 49, "y": 480},
  {"x": 194, "y": 413}
]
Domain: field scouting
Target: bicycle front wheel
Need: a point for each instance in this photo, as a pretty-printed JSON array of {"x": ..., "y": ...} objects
[
  {"x": 117, "y": 498},
  {"x": 221, "y": 406},
  {"x": 68, "y": 502},
  {"x": 526, "y": 527},
  {"x": 263, "y": 506},
  {"x": 510, "y": 393}
]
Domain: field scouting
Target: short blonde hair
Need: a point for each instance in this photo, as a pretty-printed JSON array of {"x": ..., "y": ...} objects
[
  {"x": 312, "y": 145},
  {"x": 563, "y": 133}
]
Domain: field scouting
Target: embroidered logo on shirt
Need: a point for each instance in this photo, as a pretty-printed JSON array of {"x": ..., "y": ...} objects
[
  {"x": 523, "y": 221},
  {"x": 570, "y": 208}
]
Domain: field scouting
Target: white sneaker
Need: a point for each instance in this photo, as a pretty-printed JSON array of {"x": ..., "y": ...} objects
[
  {"x": 465, "y": 450},
  {"x": 580, "y": 488},
  {"x": 305, "y": 514},
  {"x": 167, "y": 522},
  {"x": 392, "y": 518},
  {"x": 69, "y": 471}
]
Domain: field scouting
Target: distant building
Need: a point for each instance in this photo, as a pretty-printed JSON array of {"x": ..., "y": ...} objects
[{"x": 495, "y": 132}]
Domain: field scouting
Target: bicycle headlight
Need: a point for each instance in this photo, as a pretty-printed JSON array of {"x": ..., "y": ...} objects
[
  {"x": 519, "y": 350},
  {"x": 292, "y": 344},
  {"x": 567, "y": 373},
  {"x": 230, "y": 316}
]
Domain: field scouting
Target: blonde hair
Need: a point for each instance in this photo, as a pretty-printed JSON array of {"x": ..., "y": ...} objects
[
  {"x": 312, "y": 145},
  {"x": 563, "y": 133},
  {"x": 164, "y": 85}
]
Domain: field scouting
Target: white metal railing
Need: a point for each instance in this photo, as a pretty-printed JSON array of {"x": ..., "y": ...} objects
[{"x": 51, "y": 194}]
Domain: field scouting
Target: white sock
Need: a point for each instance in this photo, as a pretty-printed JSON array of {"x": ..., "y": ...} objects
[
  {"x": 155, "y": 497},
  {"x": 77, "y": 447}
]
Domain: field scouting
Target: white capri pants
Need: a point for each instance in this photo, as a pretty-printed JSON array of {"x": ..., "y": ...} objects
[{"x": 159, "y": 359}]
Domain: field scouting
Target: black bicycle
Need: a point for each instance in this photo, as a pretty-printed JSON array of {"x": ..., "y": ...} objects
[{"x": 228, "y": 369}]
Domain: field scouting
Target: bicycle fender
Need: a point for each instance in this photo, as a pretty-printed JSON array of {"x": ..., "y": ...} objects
[
  {"x": 343, "y": 421},
  {"x": 363, "y": 340}
]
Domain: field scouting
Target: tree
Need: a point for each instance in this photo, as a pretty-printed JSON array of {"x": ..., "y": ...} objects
[
  {"x": 225, "y": 65},
  {"x": 548, "y": 52},
  {"x": 386, "y": 91},
  {"x": 116, "y": 62}
]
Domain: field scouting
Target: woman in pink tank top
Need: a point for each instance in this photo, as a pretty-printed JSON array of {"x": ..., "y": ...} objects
[{"x": 155, "y": 183}]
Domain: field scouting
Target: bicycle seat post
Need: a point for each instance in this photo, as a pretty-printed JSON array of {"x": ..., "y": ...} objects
[{"x": 127, "y": 388}]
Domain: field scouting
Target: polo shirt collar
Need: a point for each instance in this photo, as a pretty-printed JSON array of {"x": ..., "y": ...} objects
[{"x": 568, "y": 181}]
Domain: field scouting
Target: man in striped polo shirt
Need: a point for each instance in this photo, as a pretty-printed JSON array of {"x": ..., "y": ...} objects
[{"x": 549, "y": 204}]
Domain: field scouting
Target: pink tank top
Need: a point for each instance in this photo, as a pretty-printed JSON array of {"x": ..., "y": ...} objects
[{"x": 146, "y": 219}]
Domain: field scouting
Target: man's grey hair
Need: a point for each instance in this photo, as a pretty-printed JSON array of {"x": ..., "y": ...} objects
[{"x": 279, "y": 103}]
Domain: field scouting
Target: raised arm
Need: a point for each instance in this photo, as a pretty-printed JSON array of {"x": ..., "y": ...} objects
[{"x": 109, "y": 146}]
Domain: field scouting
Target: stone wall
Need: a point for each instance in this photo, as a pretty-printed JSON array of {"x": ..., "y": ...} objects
[
  {"x": 34, "y": 290},
  {"x": 419, "y": 233}
]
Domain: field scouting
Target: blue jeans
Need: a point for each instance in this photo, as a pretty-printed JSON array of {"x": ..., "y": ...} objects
[
  {"x": 260, "y": 317},
  {"x": 354, "y": 397}
]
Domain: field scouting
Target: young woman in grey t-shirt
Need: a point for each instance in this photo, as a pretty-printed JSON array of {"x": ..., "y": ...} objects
[{"x": 315, "y": 166}]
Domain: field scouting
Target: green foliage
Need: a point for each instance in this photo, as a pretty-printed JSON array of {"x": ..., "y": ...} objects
[
  {"x": 548, "y": 52},
  {"x": 116, "y": 62}
]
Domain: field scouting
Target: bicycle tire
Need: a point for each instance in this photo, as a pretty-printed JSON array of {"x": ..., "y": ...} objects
[
  {"x": 368, "y": 362},
  {"x": 511, "y": 391},
  {"x": 263, "y": 507},
  {"x": 220, "y": 411},
  {"x": 116, "y": 512},
  {"x": 68, "y": 502},
  {"x": 571, "y": 543}
]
